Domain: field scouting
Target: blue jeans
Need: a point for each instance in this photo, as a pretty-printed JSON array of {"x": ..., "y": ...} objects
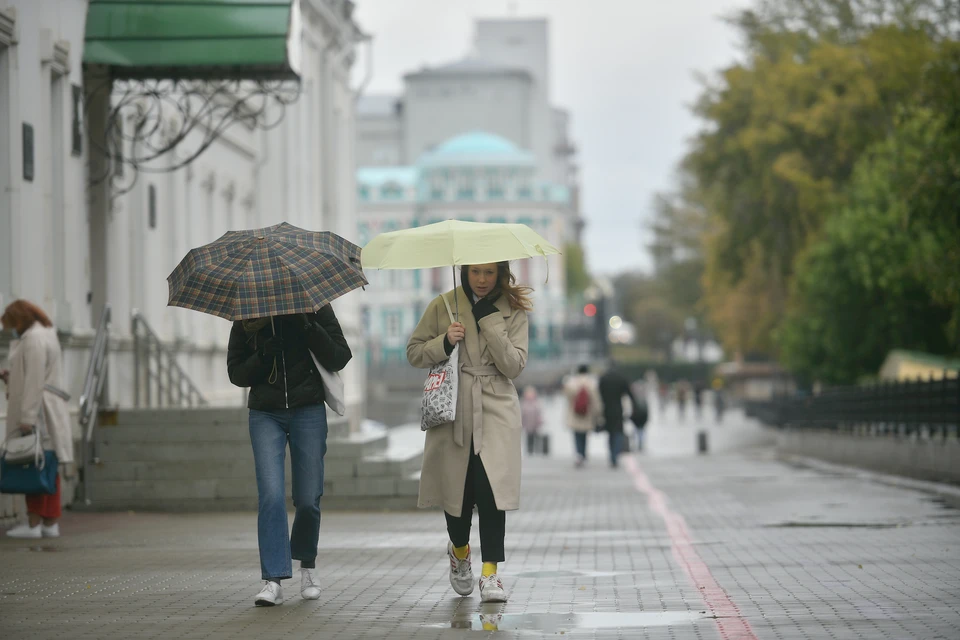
[
  {"x": 616, "y": 446},
  {"x": 580, "y": 442},
  {"x": 306, "y": 430}
]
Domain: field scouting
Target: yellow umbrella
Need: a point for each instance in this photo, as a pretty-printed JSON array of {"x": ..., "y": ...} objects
[{"x": 454, "y": 243}]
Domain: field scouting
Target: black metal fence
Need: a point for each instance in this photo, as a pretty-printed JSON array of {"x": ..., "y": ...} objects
[{"x": 930, "y": 408}]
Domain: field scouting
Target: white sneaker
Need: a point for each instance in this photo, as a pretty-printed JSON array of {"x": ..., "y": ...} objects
[
  {"x": 271, "y": 594},
  {"x": 461, "y": 573},
  {"x": 25, "y": 531},
  {"x": 53, "y": 531},
  {"x": 491, "y": 589},
  {"x": 309, "y": 587}
]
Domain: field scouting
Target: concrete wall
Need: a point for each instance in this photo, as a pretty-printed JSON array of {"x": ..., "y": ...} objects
[
  {"x": 525, "y": 44},
  {"x": 439, "y": 107},
  {"x": 934, "y": 460}
]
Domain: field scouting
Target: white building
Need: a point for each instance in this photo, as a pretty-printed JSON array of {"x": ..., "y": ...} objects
[
  {"x": 71, "y": 242},
  {"x": 476, "y": 139},
  {"x": 476, "y": 177}
]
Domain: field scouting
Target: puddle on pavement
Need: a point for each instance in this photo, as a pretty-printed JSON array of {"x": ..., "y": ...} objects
[
  {"x": 45, "y": 549},
  {"x": 557, "y": 622}
]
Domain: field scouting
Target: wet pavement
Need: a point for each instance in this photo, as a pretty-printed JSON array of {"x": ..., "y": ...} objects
[{"x": 670, "y": 545}]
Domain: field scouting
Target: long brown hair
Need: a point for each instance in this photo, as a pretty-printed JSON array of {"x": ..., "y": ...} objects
[
  {"x": 21, "y": 314},
  {"x": 517, "y": 294}
]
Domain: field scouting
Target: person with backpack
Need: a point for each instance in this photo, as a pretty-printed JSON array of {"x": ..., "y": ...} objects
[{"x": 584, "y": 408}]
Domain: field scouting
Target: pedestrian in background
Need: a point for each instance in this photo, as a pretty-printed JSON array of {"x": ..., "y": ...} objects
[
  {"x": 476, "y": 460},
  {"x": 272, "y": 357},
  {"x": 531, "y": 415},
  {"x": 614, "y": 387},
  {"x": 681, "y": 391},
  {"x": 35, "y": 400},
  {"x": 584, "y": 408}
]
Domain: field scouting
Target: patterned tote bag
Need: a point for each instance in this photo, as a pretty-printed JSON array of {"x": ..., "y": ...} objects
[{"x": 439, "y": 403}]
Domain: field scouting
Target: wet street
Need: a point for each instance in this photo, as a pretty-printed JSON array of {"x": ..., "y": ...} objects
[{"x": 670, "y": 545}]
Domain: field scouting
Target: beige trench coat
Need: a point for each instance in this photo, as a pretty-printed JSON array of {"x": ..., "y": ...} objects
[
  {"x": 35, "y": 361},
  {"x": 488, "y": 409}
]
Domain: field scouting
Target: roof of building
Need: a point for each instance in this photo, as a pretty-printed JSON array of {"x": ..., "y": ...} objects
[
  {"x": 377, "y": 105},
  {"x": 375, "y": 176},
  {"x": 477, "y": 148},
  {"x": 470, "y": 66}
]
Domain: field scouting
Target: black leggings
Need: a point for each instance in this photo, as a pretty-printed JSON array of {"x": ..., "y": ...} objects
[{"x": 493, "y": 521}]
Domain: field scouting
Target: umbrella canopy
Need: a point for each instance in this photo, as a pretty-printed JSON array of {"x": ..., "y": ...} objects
[
  {"x": 454, "y": 242},
  {"x": 274, "y": 271}
]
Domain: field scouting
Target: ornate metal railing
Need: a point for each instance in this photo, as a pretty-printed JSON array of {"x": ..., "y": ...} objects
[
  {"x": 92, "y": 397},
  {"x": 158, "y": 379}
]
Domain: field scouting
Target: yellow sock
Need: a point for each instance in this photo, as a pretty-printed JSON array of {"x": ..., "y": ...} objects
[
  {"x": 461, "y": 552},
  {"x": 489, "y": 568}
]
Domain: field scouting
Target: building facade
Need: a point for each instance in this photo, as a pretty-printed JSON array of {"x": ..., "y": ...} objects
[
  {"x": 475, "y": 140},
  {"x": 72, "y": 243},
  {"x": 477, "y": 177}
]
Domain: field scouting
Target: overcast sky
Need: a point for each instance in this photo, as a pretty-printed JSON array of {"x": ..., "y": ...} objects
[{"x": 623, "y": 68}]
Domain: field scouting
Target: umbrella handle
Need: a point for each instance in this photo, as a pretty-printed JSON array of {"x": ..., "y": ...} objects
[{"x": 456, "y": 298}]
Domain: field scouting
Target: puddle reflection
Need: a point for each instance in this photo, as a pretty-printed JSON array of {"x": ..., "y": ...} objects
[{"x": 555, "y": 622}]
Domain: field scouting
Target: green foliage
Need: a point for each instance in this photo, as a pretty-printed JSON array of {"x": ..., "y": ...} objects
[
  {"x": 578, "y": 277},
  {"x": 857, "y": 293},
  {"x": 836, "y": 135}
]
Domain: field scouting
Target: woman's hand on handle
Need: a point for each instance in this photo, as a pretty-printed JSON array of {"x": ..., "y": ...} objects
[{"x": 455, "y": 333}]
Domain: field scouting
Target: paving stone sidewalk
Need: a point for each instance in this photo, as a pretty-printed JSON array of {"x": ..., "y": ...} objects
[{"x": 799, "y": 553}]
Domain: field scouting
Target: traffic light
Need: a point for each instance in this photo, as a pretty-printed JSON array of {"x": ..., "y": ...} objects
[{"x": 590, "y": 310}]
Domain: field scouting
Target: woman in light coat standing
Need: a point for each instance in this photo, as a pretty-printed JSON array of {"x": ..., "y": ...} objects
[
  {"x": 34, "y": 401},
  {"x": 476, "y": 458}
]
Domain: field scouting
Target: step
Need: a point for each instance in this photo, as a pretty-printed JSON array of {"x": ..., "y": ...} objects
[
  {"x": 356, "y": 446},
  {"x": 202, "y": 470},
  {"x": 202, "y": 418},
  {"x": 236, "y": 493},
  {"x": 193, "y": 434}
]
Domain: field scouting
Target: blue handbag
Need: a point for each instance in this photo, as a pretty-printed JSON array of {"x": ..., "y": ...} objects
[{"x": 29, "y": 478}]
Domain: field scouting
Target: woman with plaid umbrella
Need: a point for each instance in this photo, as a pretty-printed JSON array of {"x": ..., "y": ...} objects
[
  {"x": 286, "y": 404},
  {"x": 276, "y": 284}
]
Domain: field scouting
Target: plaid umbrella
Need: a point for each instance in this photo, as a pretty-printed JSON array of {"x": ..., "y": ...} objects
[{"x": 274, "y": 271}]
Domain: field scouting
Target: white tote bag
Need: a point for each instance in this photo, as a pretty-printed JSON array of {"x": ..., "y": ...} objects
[
  {"x": 332, "y": 387},
  {"x": 439, "y": 403}
]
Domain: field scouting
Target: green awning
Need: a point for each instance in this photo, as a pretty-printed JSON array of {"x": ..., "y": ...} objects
[{"x": 206, "y": 39}]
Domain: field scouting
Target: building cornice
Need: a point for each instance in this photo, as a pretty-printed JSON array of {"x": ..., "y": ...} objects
[{"x": 55, "y": 53}]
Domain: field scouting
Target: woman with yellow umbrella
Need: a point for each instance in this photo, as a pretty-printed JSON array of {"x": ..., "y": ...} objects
[{"x": 475, "y": 459}]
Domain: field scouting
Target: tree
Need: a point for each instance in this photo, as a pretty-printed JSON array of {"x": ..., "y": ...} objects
[
  {"x": 857, "y": 292},
  {"x": 577, "y": 275},
  {"x": 784, "y": 132}
]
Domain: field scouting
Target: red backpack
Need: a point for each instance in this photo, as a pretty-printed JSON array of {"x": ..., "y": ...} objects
[{"x": 581, "y": 404}]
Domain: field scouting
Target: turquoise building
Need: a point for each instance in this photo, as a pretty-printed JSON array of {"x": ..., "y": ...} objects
[{"x": 479, "y": 177}]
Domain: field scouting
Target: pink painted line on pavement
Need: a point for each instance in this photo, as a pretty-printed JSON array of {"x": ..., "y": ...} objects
[{"x": 730, "y": 622}]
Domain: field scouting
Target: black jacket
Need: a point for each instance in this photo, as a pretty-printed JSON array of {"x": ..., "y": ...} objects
[
  {"x": 613, "y": 386},
  {"x": 297, "y": 382}
]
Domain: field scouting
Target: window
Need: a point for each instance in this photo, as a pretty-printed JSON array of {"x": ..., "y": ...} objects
[
  {"x": 391, "y": 191},
  {"x": 363, "y": 192},
  {"x": 76, "y": 145},
  {"x": 495, "y": 193},
  {"x": 437, "y": 194},
  {"x": 391, "y": 322},
  {"x": 28, "y": 152},
  {"x": 524, "y": 193},
  {"x": 465, "y": 193},
  {"x": 152, "y": 206}
]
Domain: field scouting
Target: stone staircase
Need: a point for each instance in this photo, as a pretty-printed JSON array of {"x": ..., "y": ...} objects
[{"x": 201, "y": 460}]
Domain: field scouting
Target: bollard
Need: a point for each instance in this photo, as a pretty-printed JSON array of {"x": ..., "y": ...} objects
[
  {"x": 545, "y": 442},
  {"x": 701, "y": 442}
]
